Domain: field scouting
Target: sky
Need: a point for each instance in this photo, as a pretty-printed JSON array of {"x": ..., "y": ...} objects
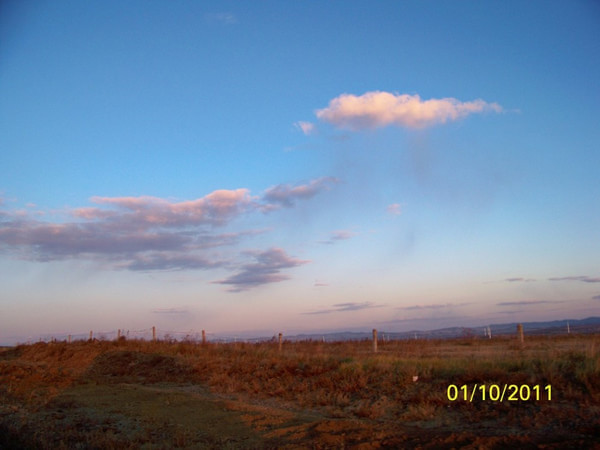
[{"x": 250, "y": 168}]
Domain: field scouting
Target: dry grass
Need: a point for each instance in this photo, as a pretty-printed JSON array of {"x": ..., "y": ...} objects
[{"x": 310, "y": 388}]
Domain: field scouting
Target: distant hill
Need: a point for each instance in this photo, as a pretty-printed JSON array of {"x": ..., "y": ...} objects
[{"x": 555, "y": 327}]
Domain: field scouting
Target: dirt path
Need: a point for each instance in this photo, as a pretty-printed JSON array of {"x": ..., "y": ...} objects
[
  {"x": 95, "y": 396},
  {"x": 189, "y": 416},
  {"x": 151, "y": 417},
  {"x": 170, "y": 415},
  {"x": 186, "y": 416}
]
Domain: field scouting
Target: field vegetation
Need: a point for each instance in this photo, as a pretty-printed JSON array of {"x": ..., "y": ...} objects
[{"x": 139, "y": 394}]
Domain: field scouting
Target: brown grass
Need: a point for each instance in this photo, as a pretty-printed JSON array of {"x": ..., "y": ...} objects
[{"x": 311, "y": 393}]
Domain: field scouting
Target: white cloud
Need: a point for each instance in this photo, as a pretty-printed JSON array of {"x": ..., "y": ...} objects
[{"x": 379, "y": 109}]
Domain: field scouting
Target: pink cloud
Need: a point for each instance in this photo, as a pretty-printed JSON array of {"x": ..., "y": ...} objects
[
  {"x": 379, "y": 109},
  {"x": 395, "y": 209},
  {"x": 216, "y": 208},
  {"x": 150, "y": 233},
  {"x": 306, "y": 127},
  {"x": 91, "y": 213},
  {"x": 137, "y": 233},
  {"x": 56, "y": 241}
]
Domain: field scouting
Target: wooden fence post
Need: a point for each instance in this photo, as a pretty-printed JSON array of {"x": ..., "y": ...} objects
[
  {"x": 520, "y": 333},
  {"x": 280, "y": 340},
  {"x": 91, "y": 335},
  {"x": 153, "y": 334},
  {"x": 119, "y": 334},
  {"x": 203, "y": 337},
  {"x": 374, "y": 340},
  {"x": 69, "y": 339}
]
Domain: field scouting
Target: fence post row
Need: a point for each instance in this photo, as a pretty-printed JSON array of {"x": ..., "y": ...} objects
[
  {"x": 374, "y": 340},
  {"x": 487, "y": 333},
  {"x": 520, "y": 333}
]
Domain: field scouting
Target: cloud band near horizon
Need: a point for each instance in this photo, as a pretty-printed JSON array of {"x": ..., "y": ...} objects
[{"x": 345, "y": 307}]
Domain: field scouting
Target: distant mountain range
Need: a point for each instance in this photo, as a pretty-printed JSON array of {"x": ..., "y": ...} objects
[{"x": 555, "y": 327}]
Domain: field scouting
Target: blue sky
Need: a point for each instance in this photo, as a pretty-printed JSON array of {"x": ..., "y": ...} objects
[{"x": 256, "y": 167}]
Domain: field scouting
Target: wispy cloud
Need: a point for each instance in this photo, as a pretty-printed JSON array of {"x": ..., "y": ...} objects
[
  {"x": 170, "y": 311},
  {"x": 221, "y": 17},
  {"x": 285, "y": 195},
  {"x": 339, "y": 235},
  {"x": 596, "y": 297},
  {"x": 306, "y": 127},
  {"x": 583, "y": 278},
  {"x": 379, "y": 109},
  {"x": 266, "y": 269},
  {"x": 512, "y": 280},
  {"x": 342, "y": 235},
  {"x": 394, "y": 209},
  {"x": 525, "y": 303},
  {"x": 433, "y": 306},
  {"x": 345, "y": 307}
]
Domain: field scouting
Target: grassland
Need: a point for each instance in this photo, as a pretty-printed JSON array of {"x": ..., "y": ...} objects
[{"x": 137, "y": 394}]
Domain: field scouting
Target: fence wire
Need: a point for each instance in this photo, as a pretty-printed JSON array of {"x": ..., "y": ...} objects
[{"x": 146, "y": 334}]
